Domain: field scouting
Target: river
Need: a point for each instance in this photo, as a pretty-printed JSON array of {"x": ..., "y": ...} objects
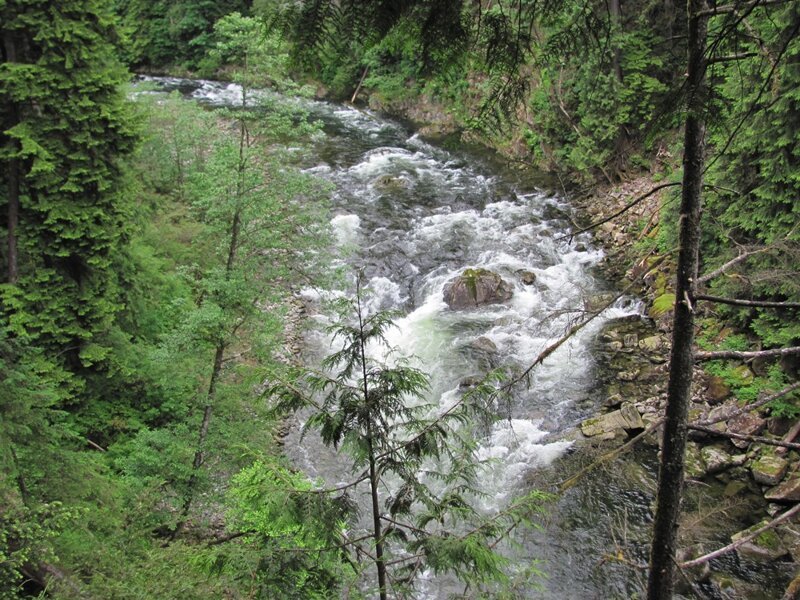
[{"x": 411, "y": 215}]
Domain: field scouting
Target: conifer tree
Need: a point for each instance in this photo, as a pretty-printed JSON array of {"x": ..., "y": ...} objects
[{"x": 65, "y": 128}]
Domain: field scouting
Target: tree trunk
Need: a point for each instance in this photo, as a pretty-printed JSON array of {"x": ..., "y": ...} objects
[
  {"x": 23, "y": 488},
  {"x": 616, "y": 20},
  {"x": 670, "y": 484},
  {"x": 380, "y": 564},
  {"x": 212, "y": 391},
  {"x": 197, "y": 462},
  {"x": 13, "y": 220}
]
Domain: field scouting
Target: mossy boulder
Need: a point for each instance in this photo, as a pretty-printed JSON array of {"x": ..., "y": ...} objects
[
  {"x": 769, "y": 470},
  {"x": 715, "y": 459},
  {"x": 693, "y": 462},
  {"x": 765, "y": 546},
  {"x": 717, "y": 389},
  {"x": 390, "y": 182},
  {"x": 476, "y": 287},
  {"x": 526, "y": 277}
]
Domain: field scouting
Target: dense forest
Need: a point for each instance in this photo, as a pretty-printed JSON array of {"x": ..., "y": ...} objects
[{"x": 154, "y": 251}]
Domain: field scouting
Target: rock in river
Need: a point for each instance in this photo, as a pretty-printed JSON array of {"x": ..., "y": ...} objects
[{"x": 476, "y": 287}]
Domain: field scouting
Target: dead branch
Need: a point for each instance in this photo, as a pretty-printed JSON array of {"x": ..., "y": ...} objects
[
  {"x": 576, "y": 328},
  {"x": 742, "y": 436},
  {"x": 711, "y": 555},
  {"x": 237, "y": 356},
  {"x": 230, "y": 537},
  {"x": 789, "y": 437},
  {"x": 748, "y": 355},
  {"x": 621, "y": 211},
  {"x": 754, "y": 303},
  {"x": 732, "y": 57},
  {"x": 360, "y": 83},
  {"x": 95, "y": 445},
  {"x": 761, "y": 44},
  {"x": 731, "y": 263}
]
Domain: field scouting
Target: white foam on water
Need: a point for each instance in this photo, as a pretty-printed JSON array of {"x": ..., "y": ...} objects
[
  {"x": 346, "y": 229},
  {"x": 516, "y": 445},
  {"x": 382, "y": 294}
]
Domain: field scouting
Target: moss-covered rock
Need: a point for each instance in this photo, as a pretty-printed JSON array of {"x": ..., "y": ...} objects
[
  {"x": 476, "y": 287},
  {"x": 765, "y": 546},
  {"x": 769, "y": 470}
]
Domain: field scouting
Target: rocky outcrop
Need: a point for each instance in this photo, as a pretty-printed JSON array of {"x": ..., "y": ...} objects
[{"x": 476, "y": 287}]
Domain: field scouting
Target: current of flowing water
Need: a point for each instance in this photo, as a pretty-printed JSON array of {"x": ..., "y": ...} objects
[{"x": 411, "y": 216}]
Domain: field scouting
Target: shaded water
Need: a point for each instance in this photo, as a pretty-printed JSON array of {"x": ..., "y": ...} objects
[{"x": 411, "y": 216}]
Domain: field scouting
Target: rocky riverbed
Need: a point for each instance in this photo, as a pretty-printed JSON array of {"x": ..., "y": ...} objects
[{"x": 741, "y": 461}]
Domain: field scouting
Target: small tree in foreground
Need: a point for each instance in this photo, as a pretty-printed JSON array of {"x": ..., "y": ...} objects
[{"x": 421, "y": 471}]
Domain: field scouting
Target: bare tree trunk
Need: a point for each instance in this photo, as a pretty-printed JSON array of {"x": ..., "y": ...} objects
[
  {"x": 23, "y": 488},
  {"x": 13, "y": 220},
  {"x": 616, "y": 20},
  {"x": 202, "y": 435},
  {"x": 377, "y": 532},
  {"x": 670, "y": 484}
]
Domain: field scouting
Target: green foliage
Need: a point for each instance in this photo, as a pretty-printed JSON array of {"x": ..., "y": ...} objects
[
  {"x": 335, "y": 41},
  {"x": 26, "y": 540},
  {"x": 297, "y": 533},
  {"x": 370, "y": 403},
  {"x": 66, "y": 123},
  {"x": 244, "y": 47},
  {"x": 597, "y": 108},
  {"x": 753, "y": 203},
  {"x": 175, "y": 33}
]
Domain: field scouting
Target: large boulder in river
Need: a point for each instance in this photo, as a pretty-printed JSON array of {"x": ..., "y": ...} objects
[{"x": 476, "y": 287}]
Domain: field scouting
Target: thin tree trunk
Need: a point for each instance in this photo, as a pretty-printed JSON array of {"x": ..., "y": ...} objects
[
  {"x": 209, "y": 408},
  {"x": 670, "y": 484},
  {"x": 616, "y": 19},
  {"x": 13, "y": 220},
  {"x": 202, "y": 435},
  {"x": 23, "y": 488},
  {"x": 380, "y": 563}
]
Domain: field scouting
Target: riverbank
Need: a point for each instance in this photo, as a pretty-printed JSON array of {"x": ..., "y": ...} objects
[{"x": 740, "y": 459}]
